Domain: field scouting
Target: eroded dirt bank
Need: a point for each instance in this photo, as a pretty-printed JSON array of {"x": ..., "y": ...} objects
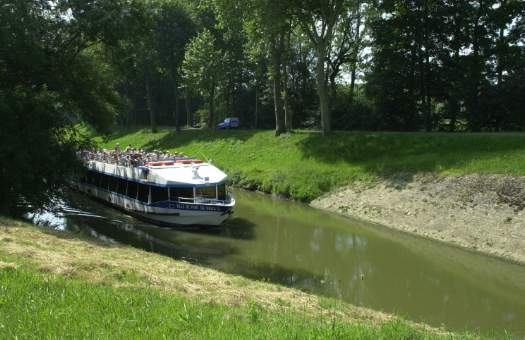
[{"x": 480, "y": 212}]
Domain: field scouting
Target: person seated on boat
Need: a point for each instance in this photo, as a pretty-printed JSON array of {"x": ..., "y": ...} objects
[
  {"x": 133, "y": 161},
  {"x": 152, "y": 156},
  {"x": 140, "y": 160},
  {"x": 167, "y": 155},
  {"x": 182, "y": 155}
]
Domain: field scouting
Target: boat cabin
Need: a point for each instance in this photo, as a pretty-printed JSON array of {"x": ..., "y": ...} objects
[{"x": 152, "y": 193}]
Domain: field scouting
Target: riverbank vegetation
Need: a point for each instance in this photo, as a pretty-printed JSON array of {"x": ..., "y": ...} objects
[
  {"x": 303, "y": 165},
  {"x": 59, "y": 284},
  {"x": 313, "y": 65}
]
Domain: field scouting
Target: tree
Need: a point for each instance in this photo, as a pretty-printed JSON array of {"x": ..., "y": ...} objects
[
  {"x": 53, "y": 75},
  {"x": 405, "y": 70},
  {"x": 177, "y": 26},
  {"x": 202, "y": 68},
  {"x": 318, "y": 19},
  {"x": 265, "y": 23},
  {"x": 345, "y": 45}
]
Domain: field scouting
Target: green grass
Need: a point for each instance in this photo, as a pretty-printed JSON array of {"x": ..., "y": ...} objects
[
  {"x": 65, "y": 285},
  {"x": 39, "y": 306},
  {"x": 302, "y": 165}
]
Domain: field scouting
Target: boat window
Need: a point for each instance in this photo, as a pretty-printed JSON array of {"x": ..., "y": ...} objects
[
  {"x": 133, "y": 188},
  {"x": 104, "y": 182},
  {"x": 143, "y": 193},
  {"x": 176, "y": 193},
  {"x": 90, "y": 177},
  {"x": 221, "y": 190},
  {"x": 96, "y": 178},
  {"x": 122, "y": 184},
  {"x": 83, "y": 177},
  {"x": 205, "y": 192},
  {"x": 113, "y": 183},
  {"x": 159, "y": 194}
]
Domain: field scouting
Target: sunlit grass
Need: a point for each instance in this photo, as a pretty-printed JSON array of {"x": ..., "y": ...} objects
[
  {"x": 63, "y": 285},
  {"x": 303, "y": 165},
  {"x": 37, "y": 306}
]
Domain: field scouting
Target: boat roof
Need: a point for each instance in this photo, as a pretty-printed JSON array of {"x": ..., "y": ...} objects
[
  {"x": 187, "y": 174},
  {"x": 177, "y": 174}
]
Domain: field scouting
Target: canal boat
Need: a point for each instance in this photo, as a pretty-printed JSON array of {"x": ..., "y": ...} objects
[{"x": 182, "y": 192}]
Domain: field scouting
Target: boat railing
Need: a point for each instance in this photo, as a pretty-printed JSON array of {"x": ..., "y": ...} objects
[
  {"x": 200, "y": 200},
  {"x": 115, "y": 161},
  {"x": 123, "y": 161}
]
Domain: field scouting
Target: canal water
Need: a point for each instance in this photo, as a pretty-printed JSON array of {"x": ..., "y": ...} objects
[{"x": 318, "y": 252}]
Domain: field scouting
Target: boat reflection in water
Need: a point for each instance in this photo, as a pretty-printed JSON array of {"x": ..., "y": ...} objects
[
  {"x": 80, "y": 214},
  {"x": 194, "y": 247}
]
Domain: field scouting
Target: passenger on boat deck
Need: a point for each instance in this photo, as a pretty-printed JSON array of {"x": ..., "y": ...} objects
[
  {"x": 117, "y": 148},
  {"x": 133, "y": 161}
]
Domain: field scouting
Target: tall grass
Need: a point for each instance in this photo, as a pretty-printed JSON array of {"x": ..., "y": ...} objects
[
  {"x": 304, "y": 165},
  {"x": 65, "y": 285},
  {"x": 40, "y": 306}
]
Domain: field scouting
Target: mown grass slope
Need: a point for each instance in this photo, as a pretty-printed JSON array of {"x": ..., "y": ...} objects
[
  {"x": 302, "y": 165},
  {"x": 64, "y": 285}
]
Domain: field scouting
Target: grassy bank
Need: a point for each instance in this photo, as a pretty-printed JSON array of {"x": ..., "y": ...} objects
[
  {"x": 61, "y": 285},
  {"x": 303, "y": 165}
]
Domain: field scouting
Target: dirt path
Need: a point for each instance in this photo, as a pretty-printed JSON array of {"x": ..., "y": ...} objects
[{"x": 479, "y": 212}]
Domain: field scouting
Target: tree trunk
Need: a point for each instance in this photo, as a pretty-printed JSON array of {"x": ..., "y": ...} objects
[
  {"x": 130, "y": 109},
  {"x": 426, "y": 81},
  {"x": 333, "y": 89},
  {"x": 475, "y": 119},
  {"x": 212, "y": 109},
  {"x": 5, "y": 204},
  {"x": 501, "y": 37},
  {"x": 151, "y": 102},
  {"x": 176, "y": 113},
  {"x": 321, "y": 88},
  {"x": 356, "y": 51},
  {"x": 276, "y": 59},
  {"x": 453, "y": 111},
  {"x": 286, "y": 101},
  {"x": 454, "y": 102},
  {"x": 256, "y": 105},
  {"x": 189, "y": 114},
  {"x": 287, "y": 116}
]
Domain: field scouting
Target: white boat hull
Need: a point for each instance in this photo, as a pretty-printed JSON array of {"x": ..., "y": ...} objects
[{"x": 184, "y": 215}]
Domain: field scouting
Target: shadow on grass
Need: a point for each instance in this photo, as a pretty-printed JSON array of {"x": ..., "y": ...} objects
[
  {"x": 383, "y": 153},
  {"x": 170, "y": 137}
]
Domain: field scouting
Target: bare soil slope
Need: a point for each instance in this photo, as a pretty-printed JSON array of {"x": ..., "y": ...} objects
[{"x": 479, "y": 212}]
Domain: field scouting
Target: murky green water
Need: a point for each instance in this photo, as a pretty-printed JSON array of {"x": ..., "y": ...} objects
[{"x": 367, "y": 265}]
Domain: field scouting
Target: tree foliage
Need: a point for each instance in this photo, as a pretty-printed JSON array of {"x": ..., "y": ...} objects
[
  {"x": 203, "y": 68},
  {"x": 53, "y": 75},
  {"x": 446, "y": 64}
]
